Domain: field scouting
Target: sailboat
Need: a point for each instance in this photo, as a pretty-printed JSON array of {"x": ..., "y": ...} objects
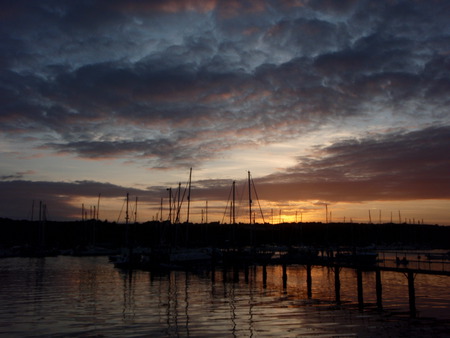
[
  {"x": 172, "y": 256},
  {"x": 251, "y": 254},
  {"x": 130, "y": 257}
]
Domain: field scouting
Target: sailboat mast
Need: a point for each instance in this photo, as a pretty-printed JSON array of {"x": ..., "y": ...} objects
[
  {"x": 249, "y": 198},
  {"x": 135, "y": 210},
  {"x": 189, "y": 195},
  {"x": 233, "y": 207},
  {"x": 98, "y": 206},
  {"x": 170, "y": 204},
  {"x": 127, "y": 230},
  {"x": 177, "y": 219},
  {"x": 126, "y": 212}
]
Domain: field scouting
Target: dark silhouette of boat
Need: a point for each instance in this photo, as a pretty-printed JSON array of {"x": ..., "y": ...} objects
[{"x": 355, "y": 257}]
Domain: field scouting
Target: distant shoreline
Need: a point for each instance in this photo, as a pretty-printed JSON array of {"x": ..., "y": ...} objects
[{"x": 78, "y": 234}]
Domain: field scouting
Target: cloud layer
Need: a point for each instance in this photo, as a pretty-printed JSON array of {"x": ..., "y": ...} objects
[
  {"x": 397, "y": 166},
  {"x": 175, "y": 84}
]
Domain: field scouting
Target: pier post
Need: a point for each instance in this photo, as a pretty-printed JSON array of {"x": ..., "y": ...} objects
[
  {"x": 379, "y": 289},
  {"x": 360, "y": 288},
  {"x": 337, "y": 284},
  {"x": 235, "y": 273},
  {"x": 308, "y": 280},
  {"x": 264, "y": 275},
  {"x": 246, "y": 272},
  {"x": 284, "y": 276},
  {"x": 224, "y": 274},
  {"x": 412, "y": 295},
  {"x": 213, "y": 273}
]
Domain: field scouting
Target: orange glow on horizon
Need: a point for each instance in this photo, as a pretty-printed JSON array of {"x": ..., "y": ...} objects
[{"x": 411, "y": 212}]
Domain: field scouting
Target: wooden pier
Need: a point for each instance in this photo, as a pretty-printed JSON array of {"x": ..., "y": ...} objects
[
  {"x": 336, "y": 266},
  {"x": 408, "y": 272}
]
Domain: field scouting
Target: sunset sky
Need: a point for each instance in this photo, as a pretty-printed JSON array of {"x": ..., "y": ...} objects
[{"x": 339, "y": 103}]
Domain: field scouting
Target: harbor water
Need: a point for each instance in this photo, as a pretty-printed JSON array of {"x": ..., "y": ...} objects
[{"x": 68, "y": 296}]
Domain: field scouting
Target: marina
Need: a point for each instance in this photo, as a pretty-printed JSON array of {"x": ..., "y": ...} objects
[
  {"x": 225, "y": 168},
  {"x": 359, "y": 262},
  {"x": 299, "y": 274},
  {"x": 88, "y": 296}
]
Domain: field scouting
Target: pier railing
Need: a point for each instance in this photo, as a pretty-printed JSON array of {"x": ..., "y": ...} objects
[
  {"x": 406, "y": 262},
  {"x": 417, "y": 261}
]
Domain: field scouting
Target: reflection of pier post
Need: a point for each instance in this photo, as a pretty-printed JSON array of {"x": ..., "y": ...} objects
[
  {"x": 337, "y": 284},
  {"x": 308, "y": 280},
  {"x": 213, "y": 272},
  {"x": 224, "y": 273},
  {"x": 379, "y": 289},
  {"x": 360, "y": 288},
  {"x": 235, "y": 273},
  {"x": 377, "y": 269},
  {"x": 412, "y": 294},
  {"x": 246, "y": 268}
]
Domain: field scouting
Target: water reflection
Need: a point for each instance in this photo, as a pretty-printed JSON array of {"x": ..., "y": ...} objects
[
  {"x": 66, "y": 296},
  {"x": 128, "y": 313}
]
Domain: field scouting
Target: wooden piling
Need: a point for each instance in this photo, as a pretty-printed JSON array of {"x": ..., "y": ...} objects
[
  {"x": 308, "y": 280},
  {"x": 224, "y": 274},
  {"x": 360, "y": 288},
  {"x": 235, "y": 273},
  {"x": 284, "y": 276},
  {"x": 379, "y": 289},
  {"x": 213, "y": 273},
  {"x": 264, "y": 275},
  {"x": 337, "y": 284},
  {"x": 412, "y": 295}
]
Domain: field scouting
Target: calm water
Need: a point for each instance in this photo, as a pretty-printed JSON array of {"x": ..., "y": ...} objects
[{"x": 87, "y": 296}]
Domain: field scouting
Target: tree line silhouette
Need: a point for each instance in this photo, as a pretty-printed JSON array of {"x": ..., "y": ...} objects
[{"x": 76, "y": 234}]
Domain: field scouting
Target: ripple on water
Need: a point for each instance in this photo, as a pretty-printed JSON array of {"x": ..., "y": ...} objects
[{"x": 86, "y": 296}]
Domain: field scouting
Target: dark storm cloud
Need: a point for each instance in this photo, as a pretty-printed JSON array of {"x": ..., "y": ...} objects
[
  {"x": 160, "y": 80},
  {"x": 396, "y": 166}
]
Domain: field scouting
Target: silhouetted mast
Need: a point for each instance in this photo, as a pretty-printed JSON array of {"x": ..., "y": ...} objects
[
  {"x": 189, "y": 195},
  {"x": 170, "y": 204},
  {"x": 135, "y": 210},
  {"x": 127, "y": 229},
  {"x": 126, "y": 211},
  {"x": 233, "y": 207},
  {"x": 98, "y": 206},
  {"x": 249, "y": 198},
  {"x": 177, "y": 219},
  {"x": 161, "y": 211}
]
